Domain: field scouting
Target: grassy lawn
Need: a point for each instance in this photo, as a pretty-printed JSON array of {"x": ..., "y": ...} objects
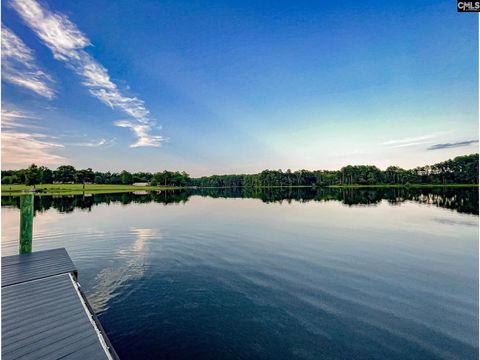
[
  {"x": 77, "y": 189},
  {"x": 406, "y": 186}
]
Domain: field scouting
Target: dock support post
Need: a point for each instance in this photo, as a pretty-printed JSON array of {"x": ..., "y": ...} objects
[{"x": 26, "y": 223}]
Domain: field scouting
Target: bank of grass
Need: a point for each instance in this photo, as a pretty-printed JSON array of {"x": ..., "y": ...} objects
[
  {"x": 404, "y": 186},
  {"x": 77, "y": 189}
]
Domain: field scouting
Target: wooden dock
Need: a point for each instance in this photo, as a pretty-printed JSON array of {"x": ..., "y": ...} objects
[{"x": 44, "y": 313}]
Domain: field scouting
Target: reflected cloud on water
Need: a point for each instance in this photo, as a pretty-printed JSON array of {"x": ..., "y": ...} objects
[{"x": 128, "y": 264}]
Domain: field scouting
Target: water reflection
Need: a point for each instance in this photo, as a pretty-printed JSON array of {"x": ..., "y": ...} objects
[
  {"x": 326, "y": 274},
  {"x": 463, "y": 200},
  {"x": 129, "y": 265}
]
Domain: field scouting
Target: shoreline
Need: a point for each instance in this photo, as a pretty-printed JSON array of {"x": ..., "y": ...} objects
[{"x": 92, "y": 189}]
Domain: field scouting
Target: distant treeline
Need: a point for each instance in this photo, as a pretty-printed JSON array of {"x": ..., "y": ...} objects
[{"x": 461, "y": 170}]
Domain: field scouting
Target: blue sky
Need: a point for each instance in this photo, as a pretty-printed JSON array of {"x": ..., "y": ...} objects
[{"x": 237, "y": 87}]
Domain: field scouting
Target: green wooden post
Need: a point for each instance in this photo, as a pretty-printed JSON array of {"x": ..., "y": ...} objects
[{"x": 26, "y": 223}]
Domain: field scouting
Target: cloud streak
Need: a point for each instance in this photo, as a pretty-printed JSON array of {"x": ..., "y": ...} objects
[
  {"x": 19, "y": 68},
  {"x": 411, "y": 141},
  {"x": 142, "y": 133},
  {"x": 452, "y": 145},
  {"x": 12, "y": 118},
  {"x": 20, "y": 148},
  {"x": 94, "y": 144},
  {"x": 67, "y": 44}
]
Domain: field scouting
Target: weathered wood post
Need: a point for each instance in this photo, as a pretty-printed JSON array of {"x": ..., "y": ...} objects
[{"x": 26, "y": 223}]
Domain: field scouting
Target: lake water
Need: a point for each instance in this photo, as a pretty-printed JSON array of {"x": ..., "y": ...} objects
[{"x": 278, "y": 274}]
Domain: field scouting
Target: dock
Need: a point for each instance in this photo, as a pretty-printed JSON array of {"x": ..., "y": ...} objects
[{"x": 45, "y": 315}]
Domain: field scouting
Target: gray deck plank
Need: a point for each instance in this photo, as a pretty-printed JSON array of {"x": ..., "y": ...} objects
[
  {"x": 37, "y": 337},
  {"x": 80, "y": 347},
  {"x": 92, "y": 354},
  {"x": 14, "y": 259},
  {"x": 37, "y": 265},
  {"x": 42, "y": 314},
  {"x": 44, "y": 343}
]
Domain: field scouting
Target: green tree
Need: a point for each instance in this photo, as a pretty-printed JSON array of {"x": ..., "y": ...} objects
[
  {"x": 32, "y": 175},
  {"x": 46, "y": 175},
  {"x": 64, "y": 174},
  {"x": 10, "y": 179},
  {"x": 126, "y": 177}
]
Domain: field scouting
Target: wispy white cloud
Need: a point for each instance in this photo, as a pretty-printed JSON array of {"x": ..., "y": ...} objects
[
  {"x": 409, "y": 141},
  {"x": 19, "y": 67},
  {"x": 21, "y": 148},
  {"x": 67, "y": 44},
  {"x": 95, "y": 144},
  {"x": 14, "y": 118},
  {"x": 408, "y": 144},
  {"x": 142, "y": 133}
]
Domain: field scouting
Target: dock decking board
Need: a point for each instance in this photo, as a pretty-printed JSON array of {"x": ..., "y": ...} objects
[
  {"x": 45, "y": 315},
  {"x": 25, "y": 267}
]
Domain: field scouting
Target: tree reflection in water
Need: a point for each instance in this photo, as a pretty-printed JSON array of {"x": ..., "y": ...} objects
[{"x": 463, "y": 200}]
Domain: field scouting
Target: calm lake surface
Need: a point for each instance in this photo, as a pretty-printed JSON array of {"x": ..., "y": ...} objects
[{"x": 279, "y": 274}]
